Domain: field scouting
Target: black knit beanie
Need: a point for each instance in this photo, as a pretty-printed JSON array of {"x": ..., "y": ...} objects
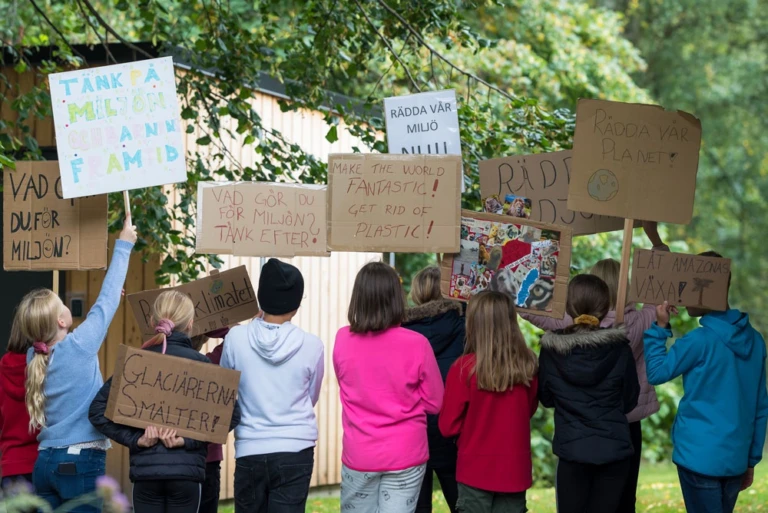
[{"x": 281, "y": 288}]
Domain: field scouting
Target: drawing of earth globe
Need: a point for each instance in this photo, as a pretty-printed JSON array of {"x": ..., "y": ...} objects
[{"x": 603, "y": 185}]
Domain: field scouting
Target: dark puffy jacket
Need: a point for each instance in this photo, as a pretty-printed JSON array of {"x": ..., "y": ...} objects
[
  {"x": 157, "y": 462},
  {"x": 442, "y": 322},
  {"x": 591, "y": 381}
]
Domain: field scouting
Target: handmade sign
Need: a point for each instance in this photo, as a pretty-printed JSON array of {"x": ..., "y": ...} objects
[
  {"x": 221, "y": 299},
  {"x": 423, "y": 123},
  {"x": 117, "y": 127},
  {"x": 634, "y": 161},
  {"x": 528, "y": 260},
  {"x": 394, "y": 203},
  {"x": 42, "y": 231},
  {"x": 683, "y": 280},
  {"x": 536, "y": 187},
  {"x": 261, "y": 219},
  {"x": 152, "y": 389}
]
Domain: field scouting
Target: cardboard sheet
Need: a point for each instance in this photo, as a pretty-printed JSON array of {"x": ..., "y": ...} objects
[
  {"x": 221, "y": 299},
  {"x": 634, "y": 161},
  {"x": 43, "y": 231},
  {"x": 543, "y": 179},
  {"x": 152, "y": 389},
  {"x": 261, "y": 219},
  {"x": 394, "y": 203},
  {"x": 528, "y": 260},
  {"x": 681, "y": 279}
]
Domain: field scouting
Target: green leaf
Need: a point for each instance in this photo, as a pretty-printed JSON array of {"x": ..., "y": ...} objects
[{"x": 332, "y": 136}]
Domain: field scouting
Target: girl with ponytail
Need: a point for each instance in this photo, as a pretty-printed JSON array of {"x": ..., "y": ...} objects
[
  {"x": 63, "y": 375},
  {"x": 167, "y": 470}
]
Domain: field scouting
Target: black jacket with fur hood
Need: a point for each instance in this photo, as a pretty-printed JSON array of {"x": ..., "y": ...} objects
[
  {"x": 442, "y": 322},
  {"x": 590, "y": 379}
]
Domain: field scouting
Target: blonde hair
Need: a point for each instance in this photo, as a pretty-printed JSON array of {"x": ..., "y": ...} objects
[
  {"x": 17, "y": 342},
  {"x": 425, "y": 286},
  {"x": 502, "y": 360},
  {"x": 173, "y": 306},
  {"x": 38, "y": 316},
  {"x": 608, "y": 270}
]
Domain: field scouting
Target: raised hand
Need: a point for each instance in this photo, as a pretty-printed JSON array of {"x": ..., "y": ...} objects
[
  {"x": 663, "y": 312},
  {"x": 128, "y": 232}
]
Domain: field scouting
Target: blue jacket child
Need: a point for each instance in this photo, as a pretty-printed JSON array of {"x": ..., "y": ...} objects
[{"x": 721, "y": 420}]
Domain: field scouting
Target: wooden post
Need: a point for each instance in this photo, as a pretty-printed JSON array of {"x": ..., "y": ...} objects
[
  {"x": 127, "y": 203},
  {"x": 626, "y": 252}
]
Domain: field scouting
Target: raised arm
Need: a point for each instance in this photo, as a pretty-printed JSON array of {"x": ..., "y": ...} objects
[
  {"x": 685, "y": 353},
  {"x": 547, "y": 323},
  {"x": 92, "y": 332}
]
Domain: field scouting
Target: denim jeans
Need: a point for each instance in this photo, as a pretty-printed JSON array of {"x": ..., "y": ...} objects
[
  {"x": 705, "y": 494},
  {"x": 59, "y": 476},
  {"x": 274, "y": 483}
]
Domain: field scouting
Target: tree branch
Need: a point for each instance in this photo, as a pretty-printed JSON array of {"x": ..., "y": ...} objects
[
  {"x": 388, "y": 45},
  {"x": 109, "y": 29},
  {"x": 95, "y": 31},
  {"x": 42, "y": 13},
  {"x": 429, "y": 47}
]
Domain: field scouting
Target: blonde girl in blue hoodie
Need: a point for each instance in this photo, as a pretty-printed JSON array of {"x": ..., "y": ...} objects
[
  {"x": 282, "y": 369},
  {"x": 720, "y": 426}
]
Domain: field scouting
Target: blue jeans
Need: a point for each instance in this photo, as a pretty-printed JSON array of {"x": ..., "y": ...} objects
[
  {"x": 274, "y": 483},
  {"x": 59, "y": 477},
  {"x": 705, "y": 494}
]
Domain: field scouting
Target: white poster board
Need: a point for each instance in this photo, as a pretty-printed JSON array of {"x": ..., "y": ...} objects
[
  {"x": 423, "y": 124},
  {"x": 117, "y": 127}
]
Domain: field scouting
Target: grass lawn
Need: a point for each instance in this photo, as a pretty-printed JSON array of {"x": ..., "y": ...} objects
[{"x": 658, "y": 491}]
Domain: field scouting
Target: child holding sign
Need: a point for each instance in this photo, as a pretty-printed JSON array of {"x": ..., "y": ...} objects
[
  {"x": 389, "y": 381},
  {"x": 720, "y": 425},
  {"x": 490, "y": 397},
  {"x": 167, "y": 470},
  {"x": 588, "y": 375},
  {"x": 63, "y": 376}
]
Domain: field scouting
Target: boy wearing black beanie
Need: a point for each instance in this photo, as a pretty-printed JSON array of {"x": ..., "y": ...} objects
[{"x": 281, "y": 369}]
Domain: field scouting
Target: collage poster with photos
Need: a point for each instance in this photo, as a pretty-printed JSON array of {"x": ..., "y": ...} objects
[{"x": 508, "y": 256}]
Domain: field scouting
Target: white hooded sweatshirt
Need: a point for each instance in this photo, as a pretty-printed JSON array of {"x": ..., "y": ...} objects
[{"x": 281, "y": 370}]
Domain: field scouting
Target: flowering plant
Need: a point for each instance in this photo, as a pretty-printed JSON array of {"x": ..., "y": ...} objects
[{"x": 19, "y": 497}]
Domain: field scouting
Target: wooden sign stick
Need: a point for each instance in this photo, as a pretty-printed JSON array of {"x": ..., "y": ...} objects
[
  {"x": 626, "y": 251},
  {"x": 127, "y": 202}
]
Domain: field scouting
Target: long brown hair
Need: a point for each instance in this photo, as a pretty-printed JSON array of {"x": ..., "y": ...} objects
[
  {"x": 502, "y": 360},
  {"x": 425, "y": 286},
  {"x": 608, "y": 270},
  {"x": 587, "y": 295},
  {"x": 378, "y": 299}
]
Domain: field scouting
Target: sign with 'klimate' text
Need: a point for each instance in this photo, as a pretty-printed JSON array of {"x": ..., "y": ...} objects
[
  {"x": 261, "y": 219},
  {"x": 117, "y": 127},
  {"x": 221, "y": 299},
  {"x": 634, "y": 161},
  {"x": 152, "y": 389},
  {"x": 43, "y": 231},
  {"x": 394, "y": 203}
]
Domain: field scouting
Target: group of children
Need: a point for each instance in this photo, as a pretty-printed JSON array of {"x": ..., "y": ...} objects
[{"x": 435, "y": 389}]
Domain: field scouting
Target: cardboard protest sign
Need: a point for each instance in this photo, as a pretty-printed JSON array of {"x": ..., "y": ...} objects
[
  {"x": 117, "y": 127},
  {"x": 42, "y": 231},
  {"x": 394, "y": 203},
  {"x": 261, "y": 219},
  {"x": 542, "y": 180},
  {"x": 221, "y": 299},
  {"x": 528, "y": 260},
  {"x": 683, "y": 280},
  {"x": 634, "y": 161},
  {"x": 152, "y": 389}
]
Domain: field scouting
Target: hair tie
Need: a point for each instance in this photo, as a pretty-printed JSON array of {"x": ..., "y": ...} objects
[
  {"x": 587, "y": 319},
  {"x": 40, "y": 348},
  {"x": 165, "y": 326}
]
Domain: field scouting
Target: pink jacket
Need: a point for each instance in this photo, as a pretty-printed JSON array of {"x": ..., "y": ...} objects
[
  {"x": 388, "y": 381},
  {"x": 635, "y": 322}
]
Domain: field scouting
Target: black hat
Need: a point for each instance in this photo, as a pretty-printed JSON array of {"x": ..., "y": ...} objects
[{"x": 281, "y": 288}]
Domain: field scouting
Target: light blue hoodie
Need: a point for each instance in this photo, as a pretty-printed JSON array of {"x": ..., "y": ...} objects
[
  {"x": 281, "y": 370},
  {"x": 721, "y": 421}
]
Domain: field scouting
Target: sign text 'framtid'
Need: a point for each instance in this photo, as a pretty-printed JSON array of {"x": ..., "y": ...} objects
[
  {"x": 221, "y": 299},
  {"x": 394, "y": 203},
  {"x": 152, "y": 389},
  {"x": 261, "y": 219},
  {"x": 634, "y": 161},
  {"x": 542, "y": 180},
  {"x": 43, "y": 231},
  {"x": 117, "y": 127},
  {"x": 680, "y": 279}
]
